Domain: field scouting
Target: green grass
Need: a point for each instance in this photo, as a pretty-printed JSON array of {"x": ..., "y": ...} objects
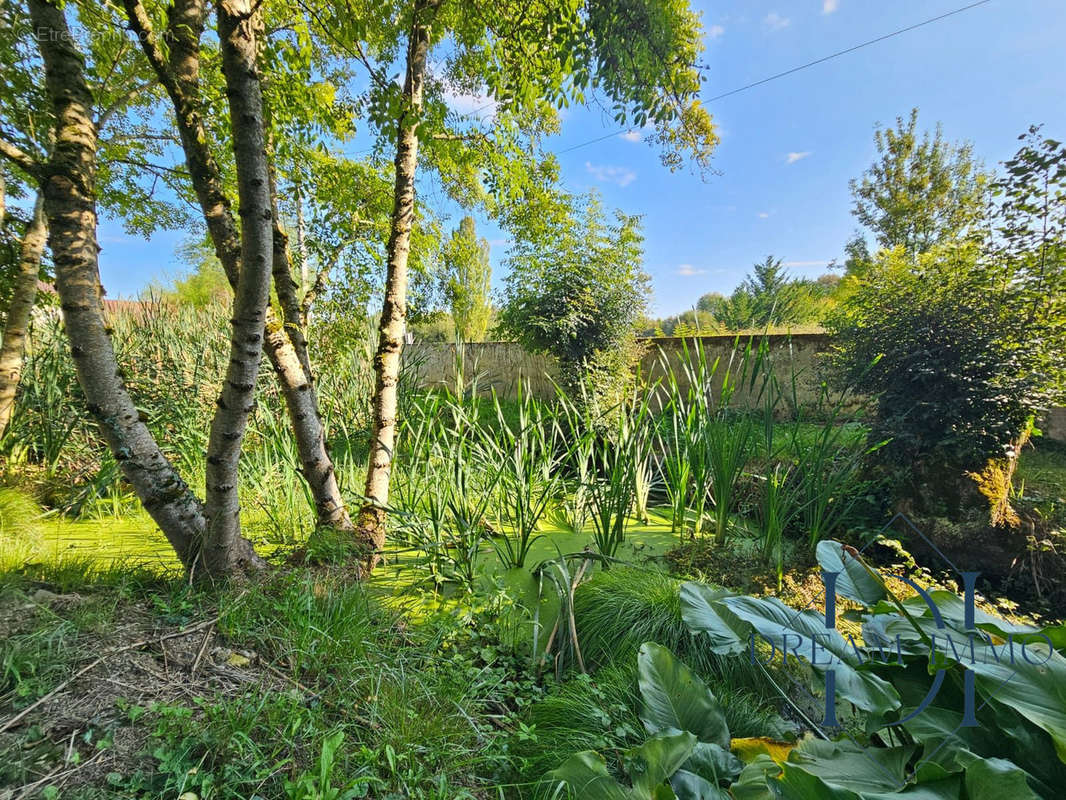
[
  {"x": 419, "y": 707},
  {"x": 1040, "y": 481}
]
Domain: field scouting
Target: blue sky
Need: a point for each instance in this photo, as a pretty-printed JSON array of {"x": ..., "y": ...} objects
[{"x": 788, "y": 147}]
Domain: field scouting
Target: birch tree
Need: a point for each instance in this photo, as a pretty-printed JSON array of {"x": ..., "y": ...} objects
[
  {"x": 205, "y": 535},
  {"x": 639, "y": 59}
]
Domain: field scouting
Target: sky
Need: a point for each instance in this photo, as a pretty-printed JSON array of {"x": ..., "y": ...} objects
[{"x": 788, "y": 147}]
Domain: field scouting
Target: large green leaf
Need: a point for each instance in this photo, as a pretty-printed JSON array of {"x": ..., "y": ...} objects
[
  {"x": 703, "y": 613},
  {"x": 714, "y": 763},
  {"x": 797, "y": 784},
  {"x": 1037, "y": 691},
  {"x": 585, "y": 775},
  {"x": 690, "y": 786},
  {"x": 845, "y": 765},
  {"x": 651, "y": 764},
  {"x": 754, "y": 781},
  {"x": 649, "y": 767},
  {"x": 1002, "y": 731},
  {"x": 953, "y": 610},
  {"x": 853, "y": 581},
  {"x": 673, "y": 699},
  {"x": 772, "y": 619},
  {"x": 994, "y": 779}
]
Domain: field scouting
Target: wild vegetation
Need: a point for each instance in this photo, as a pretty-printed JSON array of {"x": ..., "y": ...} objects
[{"x": 314, "y": 577}]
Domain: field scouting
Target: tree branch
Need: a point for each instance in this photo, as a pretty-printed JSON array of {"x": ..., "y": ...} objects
[
  {"x": 20, "y": 158},
  {"x": 105, "y": 115}
]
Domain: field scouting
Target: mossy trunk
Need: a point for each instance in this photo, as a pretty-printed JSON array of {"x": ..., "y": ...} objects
[
  {"x": 225, "y": 550},
  {"x": 20, "y": 309},
  {"x": 370, "y": 527},
  {"x": 68, "y": 187}
]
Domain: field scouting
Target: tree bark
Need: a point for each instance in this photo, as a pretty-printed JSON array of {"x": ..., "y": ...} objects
[
  {"x": 68, "y": 187},
  {"x": 24, "y": 295},
  {"x": 180, "y": 78},
  {"x": 370, "y": 528},
  {"x": 224, "y": 548}
]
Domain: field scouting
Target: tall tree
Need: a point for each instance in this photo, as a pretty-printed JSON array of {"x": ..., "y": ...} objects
[
  {"x": 124, "y": 135},
  {"x": 205, "y": 535},
  {"x": 774, "y": 296},
  {"x": 68, "y": 185},
  {"x": 178, "y": 70},
  {"x": 469, "y": 276},
  {"x": 578, "y": 292},
  {"x": 921, "y": 190},
  {"x": 638, "y": 58},
  {"x": 239, "y": 26},
  {"x": 371, "y": 524}
]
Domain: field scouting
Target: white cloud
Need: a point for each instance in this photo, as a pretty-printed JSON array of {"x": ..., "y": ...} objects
[
  {"x": 793, "y": 157},
  {"x": 715, "y": 31},
  {"x": 764, "y": 215},
  {"x": 476, "y": 106},
  {"x": 608, "y": 173},
  {"x": 829, "y": 6},
  {"x": 687, "y": 270},
  {"x": 775, "y": 21},
  {"x": 631, "y": 136},
  {"x": 822, "y": 263}
]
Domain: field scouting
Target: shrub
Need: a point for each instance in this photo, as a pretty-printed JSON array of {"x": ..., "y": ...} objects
[
  {"x": 576, "y": 291},
  {"x": 940, "y": 342}
]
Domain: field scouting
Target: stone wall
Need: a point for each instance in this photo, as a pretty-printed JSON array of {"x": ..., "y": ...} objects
[{"x": 500, "y": 366}]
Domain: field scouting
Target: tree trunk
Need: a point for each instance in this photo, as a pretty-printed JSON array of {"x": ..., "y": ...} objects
[
  {"x": 293, "y": 367},
  {"x": 224, "y": 549},
  {"x": 370, "y": 528},
  {"x": 70, "y": 207},
  {"x": 23, "y": 296},
  {"x": 180, "y": 77}
]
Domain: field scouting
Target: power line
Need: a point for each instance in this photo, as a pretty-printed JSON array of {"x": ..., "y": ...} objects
[
  {"x": 849, "y": 50},
  {"x": 809, "y": 64}
]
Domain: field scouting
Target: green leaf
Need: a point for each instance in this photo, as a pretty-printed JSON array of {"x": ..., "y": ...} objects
[
  {"x": 853, "y": 581},
  {"x": 772, "y": 619},
  {"x": 703, "y": 612},
  {"x": 675, "y": 699},
  {"x": 753, "y": 783},
  {"x": 1036, "y": 691},
  {"x": 651, "y": 764},
  {"x": 690, "y": 786},
  {"x": 996, "y": 778},
  {"x": 714, "y": 763},
  {"x": 585, "y": 775},
  {"x": 845, "y": 765}
]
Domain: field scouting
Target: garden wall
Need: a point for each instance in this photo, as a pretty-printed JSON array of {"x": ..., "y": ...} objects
[{"x": 500, "y": 366}]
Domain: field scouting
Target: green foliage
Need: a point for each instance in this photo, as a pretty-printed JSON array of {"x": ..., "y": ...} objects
[
  {"x": 932, "y": 755},
  {"x": 20, "y": 533},
  {"x": 466, "y": 259},
  {"x": 922, "y": 191},
  {"x": 204, "y": 283},
  {"x": 956, "y": 368},
  {"x": 688, "y": 746},
  {"x": 962, "y": 341},
  {"x": 576, "y": 291},
  {"x": 768, "y": 297},
  {"x": 1024, "y": 723}
]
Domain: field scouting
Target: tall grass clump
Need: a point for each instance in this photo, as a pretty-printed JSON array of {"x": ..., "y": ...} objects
[
  {"x": 618, "y": 452},
  {"x": 525, "y": 454}
]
